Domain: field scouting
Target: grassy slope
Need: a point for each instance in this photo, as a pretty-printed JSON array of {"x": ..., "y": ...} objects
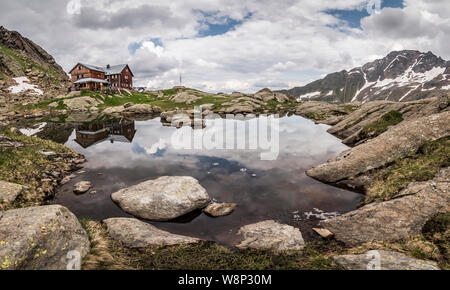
[
  {"x": 422, "y": 166},
  {"x": 380, "y": 126},
  {"x": 24, "y": 165},
  {"x": 26, "y": 63},
  {"x": 346, "y": 109}
]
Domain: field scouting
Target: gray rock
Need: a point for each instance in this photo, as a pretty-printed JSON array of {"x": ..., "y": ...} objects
[
  {"x": 334, "y": 113},
  {"x": 270, "y": 235},
  {"x": 82, "y": 187},
  {"x": 208, "y": 107},
  {"x": 127, "y": 105},
  {"x": 162, "y": 199},
  {"x": 67, "y": 179},
  {"x": 113, "y": 110},
  {"x": 141, "y": 109},
  {"x": 220, "y": 209},
  {"x": 81, "y": 103},
  {"x": 241, "y": 108},
  {"x": 10, "y": 191},
  {"x": 134, "y": 233},
  {"x": 324, "y": 233},
  {"x": 267, "y": 95},
  {"x": 186, "y": 96},
  {"x": 6, "y": 142},
  {"x": 383, "y": 260},
  {"x": 40, "y": 238},
  {"x": 398, "y": 142},
  {"x": 395, "y": 219},
  {"x": 349, "y": 128}
]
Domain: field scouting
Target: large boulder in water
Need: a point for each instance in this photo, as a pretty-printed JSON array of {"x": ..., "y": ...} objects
[
  {"x": 162, "y": 199},
  {"x": 40, "y": 238}
]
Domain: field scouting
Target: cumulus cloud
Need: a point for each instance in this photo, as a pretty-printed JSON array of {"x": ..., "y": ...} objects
[
  {"x": 398, "y": 23},
  {"x": 134, "y": 17},
  {"x": 271, "y": 43}
]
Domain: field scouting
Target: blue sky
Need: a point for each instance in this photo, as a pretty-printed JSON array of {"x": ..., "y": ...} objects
[
  {"x": 213, "y": 25},
  {"x": 136, "y": 45},
  {"x": 221, "y": 28},
  {"x": 353, "y": 17}
]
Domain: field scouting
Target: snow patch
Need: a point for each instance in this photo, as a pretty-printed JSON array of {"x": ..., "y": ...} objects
[
  {"x": 392, "y": 62},
  {"x": 33, "y": 131},
  {"x": 309, "y": 95},
  {"x": 446, "y": 88},
  {"x": 410, "y": 91},
  {"x": 408, "y": 78},
  {"x": 411, "y": 77},
  {"x": 366, "y": 85},
  {"x": 23, "y": 85}
]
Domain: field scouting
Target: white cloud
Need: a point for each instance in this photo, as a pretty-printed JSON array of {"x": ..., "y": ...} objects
[{"x": 278, "y": 42}]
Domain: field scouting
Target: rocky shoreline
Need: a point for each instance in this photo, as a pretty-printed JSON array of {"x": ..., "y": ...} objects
[{"x": 380, "y": 140}]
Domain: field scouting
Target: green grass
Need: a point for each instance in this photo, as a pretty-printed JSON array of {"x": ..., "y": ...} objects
[
  {"x": 24, "y": 165},
  {"x": 170, "y": 92},
  {"x": 218, "y": 102},
  {"x": 380, "y": 126},
  {"x": 348, "y": 108},
  {"x": 12, "y": 54},
  {"x": 26, "y": 63},
  {"x": 316, "y": 116},
  {"x": 437, "y": 231},
  {"x": 423, "y": 166},
  {"x": 107, "y": 253}
]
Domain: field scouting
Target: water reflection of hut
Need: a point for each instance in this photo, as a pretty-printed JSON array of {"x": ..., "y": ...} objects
[{"x": 116, "y": 130}]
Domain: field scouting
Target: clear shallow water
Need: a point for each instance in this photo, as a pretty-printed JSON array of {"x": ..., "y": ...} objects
[{"x": 263, "y": 190}]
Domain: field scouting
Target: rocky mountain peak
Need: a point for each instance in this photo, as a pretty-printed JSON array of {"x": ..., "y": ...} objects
[
  {"x": 13, "y": 40},
  {"x": 27, "y": 72},
  {"x": 400, "y": 76}
]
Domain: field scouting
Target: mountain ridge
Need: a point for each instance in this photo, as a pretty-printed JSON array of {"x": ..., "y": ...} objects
[
  {"x": 405, "y": 75},
  {"x": 27, "y": 71}
]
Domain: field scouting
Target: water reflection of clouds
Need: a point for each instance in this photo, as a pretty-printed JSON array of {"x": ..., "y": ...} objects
[
  {"x": 299, "y": 138},
  {"x": 265, "y": 190}
]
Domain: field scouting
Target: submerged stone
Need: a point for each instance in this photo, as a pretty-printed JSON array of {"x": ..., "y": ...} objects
[
  {"x": 82, "y": 187},
  {"x": 220, "y": 209}
]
